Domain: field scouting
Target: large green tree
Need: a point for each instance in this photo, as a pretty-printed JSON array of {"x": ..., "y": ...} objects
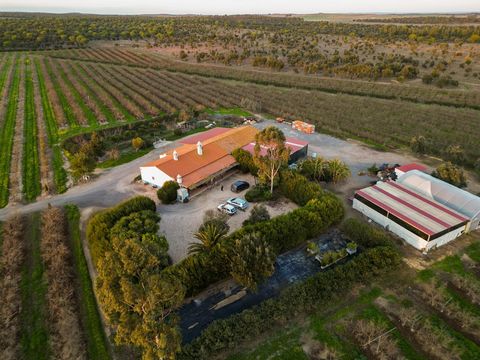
[
  {"x": 137, "y": 299},
  {"x": 210, "y": 235},
  {"x": 252, "y": 260},
  {"x": 271, "y": 154}
]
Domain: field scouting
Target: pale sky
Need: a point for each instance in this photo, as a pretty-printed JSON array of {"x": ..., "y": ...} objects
[{"x": 240, "y": 6}]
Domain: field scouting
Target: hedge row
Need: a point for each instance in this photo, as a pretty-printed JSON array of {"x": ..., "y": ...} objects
[
  {"x": 283, "y": 233},
  {"x": 99, "y": 226},
  {"x": 301, "y": 298},
  {"x": 364, "y": 234}
]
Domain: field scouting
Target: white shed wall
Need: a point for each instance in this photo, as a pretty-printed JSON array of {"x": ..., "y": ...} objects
[
  {"x": 414, "y": 240},
  {"x": 154, "y": 176}
]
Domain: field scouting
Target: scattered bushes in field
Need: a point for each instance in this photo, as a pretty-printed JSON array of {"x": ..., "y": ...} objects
[
  {"x": 66, "y": 340},
  {"x": 11, "y": 262},
  {"x": 167, "y": 194},
  {"x": 451, "y": 173},
  {"x": 100, "y": 224},
  {"x": 300, "y": 298}
]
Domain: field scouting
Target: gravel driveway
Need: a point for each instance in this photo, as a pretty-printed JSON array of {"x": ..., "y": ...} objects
[{"x": 180, "y": 221}]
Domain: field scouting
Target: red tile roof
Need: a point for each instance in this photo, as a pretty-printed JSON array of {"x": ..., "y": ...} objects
[{"x": 204, "y": 136}]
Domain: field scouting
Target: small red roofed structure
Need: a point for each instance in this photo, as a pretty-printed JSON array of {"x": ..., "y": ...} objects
[{"x": 409, "y": 167}]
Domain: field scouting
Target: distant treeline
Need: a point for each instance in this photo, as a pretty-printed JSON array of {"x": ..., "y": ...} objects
[
  {"x": 457, "y": 19},
  {"x": 43, "y": 31}
]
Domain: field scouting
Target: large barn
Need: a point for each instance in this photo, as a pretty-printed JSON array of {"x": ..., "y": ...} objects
[
  {"x": 207, "y": 156},
  {"x": 424, "y": 211}
]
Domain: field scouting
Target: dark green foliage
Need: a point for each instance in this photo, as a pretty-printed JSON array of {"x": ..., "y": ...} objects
[
  {"x": 300, "y": 298},
  {"x": 258, "y": 193},
  {"x": 258, "y": 214},
  {"x": 364, "y": 234},
  {"x": 99, "y": 225},
  {"x": 245, "y": 161},
  {"x": 282, "y": 233},
  {"x": 297, "y": 188},
  {"x": 167, "y": 194}
]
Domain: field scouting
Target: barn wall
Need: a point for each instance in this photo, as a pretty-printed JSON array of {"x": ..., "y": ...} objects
[{"x": 154, "y": 176}]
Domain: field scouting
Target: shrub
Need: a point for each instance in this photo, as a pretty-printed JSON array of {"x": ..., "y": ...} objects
[
  {"x": 451, "y": 173},
  {"x": 300, "y": 298},
  {"x": 99, "y": 225},
  {"x": 167, "y": 194},
  {"x": 297, "y": 188},
  {"x": 259, "y": 213},
  {"x": 364, "y": 234},
  {"x": 258, "y": 193},
  {"x": 245, "y": 161}
]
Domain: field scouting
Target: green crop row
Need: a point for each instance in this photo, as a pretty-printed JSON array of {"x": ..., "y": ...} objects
[
  {"x": 97, "y": 347},
  {"x": 59, "y": 173},
  {"x": 34, "y": 338},
  {"x": 70, "y": 116},
  {"x": 6, "y": 136},
  {"x": 30, "y": 161},
  {"x": 91, "y": 118}
]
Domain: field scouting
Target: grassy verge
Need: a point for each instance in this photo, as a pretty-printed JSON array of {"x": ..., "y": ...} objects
[
  {"x": 237, "y": 111},
  {"x": 173, "y": 137},
  {"x": 6, "y": 135},
  {"x": 97, "y": 347},
  {"x": 30, "y": 162},
  {"x": 284, "y": 344},
  {"x": 124, "y": 158},
  {"x": 34, "y": 338}
]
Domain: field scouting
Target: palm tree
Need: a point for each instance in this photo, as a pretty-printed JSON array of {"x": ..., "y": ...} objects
[
  {"x": 338, "y": 170},
  {"x": 209, "y": 237}
]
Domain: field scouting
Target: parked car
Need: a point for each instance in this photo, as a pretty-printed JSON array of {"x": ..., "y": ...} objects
[
  {"x": 227, "y": 209},
  {"x": 239, "y": 203},
  {"x": 239, "y": 186}
]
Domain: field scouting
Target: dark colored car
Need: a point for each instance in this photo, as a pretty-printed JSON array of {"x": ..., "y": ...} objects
[{"x": 239, "y": 186}]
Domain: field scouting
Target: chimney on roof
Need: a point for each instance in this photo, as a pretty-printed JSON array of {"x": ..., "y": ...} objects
[
  {"x": 199, "y": 148},
  {"x": 179, "y": 179},
  {"x": 175, "y": 155}
]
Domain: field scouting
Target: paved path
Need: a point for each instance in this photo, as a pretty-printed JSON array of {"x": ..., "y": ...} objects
[{"x": 110, "y": 187}]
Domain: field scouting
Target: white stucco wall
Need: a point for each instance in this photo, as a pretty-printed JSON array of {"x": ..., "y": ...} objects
[
  {"x": 154, "y": 176},
  {"x": 412, "y": 239}
]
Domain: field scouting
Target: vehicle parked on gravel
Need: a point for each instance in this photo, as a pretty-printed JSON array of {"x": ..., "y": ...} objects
[
  {"x": 239, "y": 203},
  {"x": 239, "y": 186},
  {"x": 227, "y": 209}
]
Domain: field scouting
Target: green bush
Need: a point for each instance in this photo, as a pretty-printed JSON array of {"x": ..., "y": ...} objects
[
  {"x": 100, "y": 224},
  {"x": 282, "y": 233},
  {"x": 298, "y": 188},
  {"x": 245, "y": 161},
  {"x": 300, "y": 298},
  {"x": 167, "y": 194},
  {"x": 364, "y": 234},
  {"x": 258, "y": 214},
  {"x": 258, "y": 193},
  {"x": 451, "y": 173}
]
